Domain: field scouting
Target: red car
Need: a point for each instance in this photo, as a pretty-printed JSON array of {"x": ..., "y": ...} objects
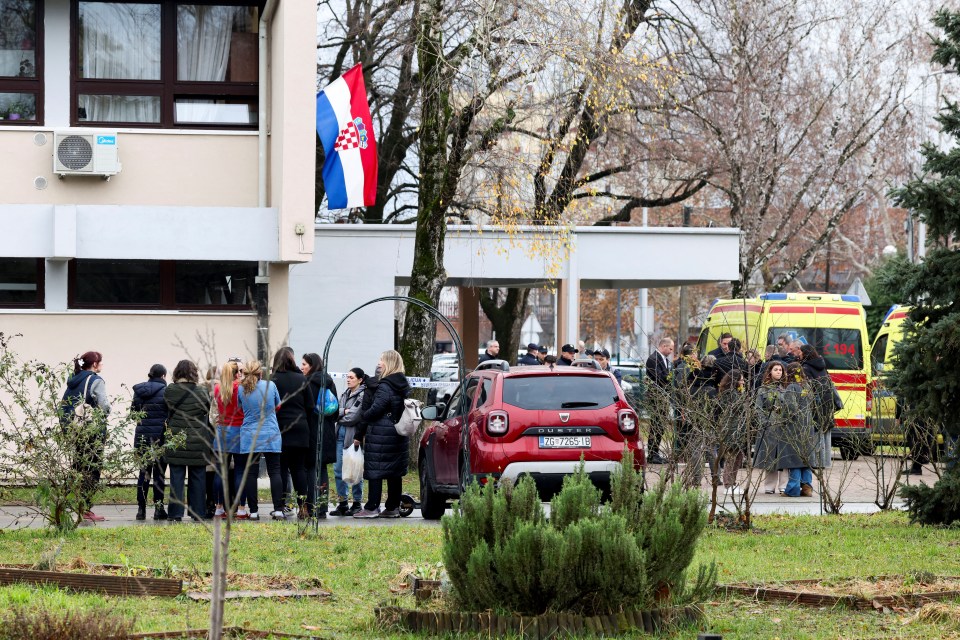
[{"x": 504, "y": 422}]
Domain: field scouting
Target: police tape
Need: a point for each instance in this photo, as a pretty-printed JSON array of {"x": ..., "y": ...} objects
[{"x": 420, "y": 383}]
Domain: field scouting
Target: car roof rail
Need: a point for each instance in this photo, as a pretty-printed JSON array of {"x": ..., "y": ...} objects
[
  {"x": 499, "y": 365},
  {"x": 587, "y": 363}
]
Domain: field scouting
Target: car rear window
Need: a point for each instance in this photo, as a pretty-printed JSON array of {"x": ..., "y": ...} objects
[
  {"x": 841, "y": 348},
  {"x": 559, "y": 392}
]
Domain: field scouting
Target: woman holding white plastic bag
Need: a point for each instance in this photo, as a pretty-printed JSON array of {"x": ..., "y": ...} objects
[
  {"x": 386, "y": 452},
  {"x": 349, "y": 415}
]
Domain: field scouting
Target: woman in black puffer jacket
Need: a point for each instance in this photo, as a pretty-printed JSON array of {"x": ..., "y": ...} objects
[
  {"x": 148, "y": 398},
  {"x": 386, "y": 453}
]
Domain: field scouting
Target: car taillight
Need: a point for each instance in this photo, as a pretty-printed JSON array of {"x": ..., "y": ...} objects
[
  {"x": 627, "y": 421},
  {"x": 869, "y": 398},
  {"x": 497, "y": 423}
]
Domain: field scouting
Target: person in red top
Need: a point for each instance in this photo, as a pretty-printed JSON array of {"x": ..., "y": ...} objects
[{"x": 227, "y": 421}]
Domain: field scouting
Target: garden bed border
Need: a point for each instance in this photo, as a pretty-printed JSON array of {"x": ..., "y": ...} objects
[
  {"x": 811, "y": 599},
  {"x": 107, "y": 584},
  {"x": 549, "y": 625}
]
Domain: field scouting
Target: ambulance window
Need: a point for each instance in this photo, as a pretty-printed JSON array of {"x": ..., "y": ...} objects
[
  {"x": 702, "y": 343},
  {"x": 841, "y": 348},
  {"x": 879, "y": 354}
]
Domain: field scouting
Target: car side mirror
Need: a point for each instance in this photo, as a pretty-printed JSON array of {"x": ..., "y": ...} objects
[
  {"x": 432, "y": 412},
  {"x": 878, "y": 367}
]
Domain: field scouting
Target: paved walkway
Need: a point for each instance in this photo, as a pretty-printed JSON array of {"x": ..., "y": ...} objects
[{"x": 856, "y": 482}]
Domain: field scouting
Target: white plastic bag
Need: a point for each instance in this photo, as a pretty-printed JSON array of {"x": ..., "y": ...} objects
[{"x": 352, "y": 470}]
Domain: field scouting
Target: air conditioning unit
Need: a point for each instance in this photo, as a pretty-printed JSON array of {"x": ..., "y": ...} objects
[{"x": 85, "y": 153}]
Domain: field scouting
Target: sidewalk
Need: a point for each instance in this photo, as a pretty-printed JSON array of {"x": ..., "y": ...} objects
[{"x": 855, "y": 480}]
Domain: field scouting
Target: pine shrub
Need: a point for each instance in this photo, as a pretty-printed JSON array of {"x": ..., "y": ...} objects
[
  {"x": 590, "y": 558},
  {"x": 936, "y": 505}
]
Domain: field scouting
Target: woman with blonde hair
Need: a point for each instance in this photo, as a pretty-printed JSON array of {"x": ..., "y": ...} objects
[
  {"x": 386, "y": 452},
  {"x": 259, "y": 437},
  {"x": 228, "y": 420}
]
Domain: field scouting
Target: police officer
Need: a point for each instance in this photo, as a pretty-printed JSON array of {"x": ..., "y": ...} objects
[{"x": 530, "y": 357}]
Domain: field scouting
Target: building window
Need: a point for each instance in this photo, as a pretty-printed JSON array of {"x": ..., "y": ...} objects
[
  {"x": 165, "y": 64},
  {"x": 21, "y": 282},
  {"x": 21, "y": 62},
  {"x": 161, "y": 284}
]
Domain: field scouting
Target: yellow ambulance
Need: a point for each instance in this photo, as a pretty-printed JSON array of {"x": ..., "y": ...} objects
[
  {"x": 834, "y": 324},
  {"x": 883, "y": 418}
]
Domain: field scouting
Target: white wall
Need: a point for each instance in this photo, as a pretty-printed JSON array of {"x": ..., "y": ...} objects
[{"x": 356, "y": 263}]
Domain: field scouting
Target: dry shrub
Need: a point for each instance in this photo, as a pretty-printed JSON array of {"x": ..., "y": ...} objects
[
  {"x": 938, "y": 613},
  {"x": 25, "y": 623}
]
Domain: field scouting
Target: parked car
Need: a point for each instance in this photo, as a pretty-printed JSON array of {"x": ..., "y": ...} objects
[{"x": 504, "y": 423}]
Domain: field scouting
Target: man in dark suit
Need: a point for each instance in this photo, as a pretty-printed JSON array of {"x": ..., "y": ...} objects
[
  {"x": 492, "y": 352},
  {"x": 658, "y": 370}
]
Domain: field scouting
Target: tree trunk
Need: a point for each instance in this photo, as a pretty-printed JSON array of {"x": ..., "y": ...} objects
[{"x": 506, "y": 319}]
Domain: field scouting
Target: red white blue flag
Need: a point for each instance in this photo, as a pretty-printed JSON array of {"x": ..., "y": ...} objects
[{"x": 346, "y": 132}]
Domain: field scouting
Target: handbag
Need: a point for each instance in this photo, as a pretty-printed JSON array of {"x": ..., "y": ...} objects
[
  {"x": 330, "y": 404},
  {"x": 406, "y": 425},
  {"x": 83, "y": 410}
]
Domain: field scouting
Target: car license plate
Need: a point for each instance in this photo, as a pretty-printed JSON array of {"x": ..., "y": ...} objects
[{"x": 564, "y": 442}]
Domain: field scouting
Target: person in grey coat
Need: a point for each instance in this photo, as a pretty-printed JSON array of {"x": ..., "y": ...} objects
[
  {"x": 386, "y": 452},
  {"x": 769, "y": 412},
  {"x": 349, "y": 414},
  {"x": 787, "y": 440},
  {"x": 801, "y": 439}
]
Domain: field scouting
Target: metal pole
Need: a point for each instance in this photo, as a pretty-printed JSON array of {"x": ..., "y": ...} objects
[
  {"x": 684, "y": 328},
  {"x": 618, "y": 326},
  {"x": 643, "y": 341}
]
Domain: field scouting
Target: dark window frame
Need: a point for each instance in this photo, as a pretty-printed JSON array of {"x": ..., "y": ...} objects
[
  {"x": 167, "y": 88},
  {"x": 39, "y": 303},
  {"x": 29, "y": 85},
  {"x": 168, "y": 272}
]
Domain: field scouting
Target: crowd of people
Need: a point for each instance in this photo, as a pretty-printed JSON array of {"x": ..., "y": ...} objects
[
  {"x": 779, "y": 407},
  {"x": 213, "y": 433}
]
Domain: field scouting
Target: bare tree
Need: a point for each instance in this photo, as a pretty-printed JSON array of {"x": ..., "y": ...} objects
[{"x": 795, "y": 104}]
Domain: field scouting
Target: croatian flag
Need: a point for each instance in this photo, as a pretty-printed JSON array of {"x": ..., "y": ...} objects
[{"x": 346, "y": 131}]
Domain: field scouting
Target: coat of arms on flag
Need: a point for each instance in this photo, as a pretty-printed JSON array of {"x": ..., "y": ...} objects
[{"x": 344, "y": 126}]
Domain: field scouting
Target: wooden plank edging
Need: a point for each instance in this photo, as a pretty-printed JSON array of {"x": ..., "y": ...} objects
[
  {"x": 110, "y": 585},
  {"x": 810, "y": 599},
  {"x": 548, "y": 625}
]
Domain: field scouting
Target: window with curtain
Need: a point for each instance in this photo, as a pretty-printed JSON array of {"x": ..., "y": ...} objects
[
  {"x": 21, "y": 82},
  {"x": 166, "y": 63}
]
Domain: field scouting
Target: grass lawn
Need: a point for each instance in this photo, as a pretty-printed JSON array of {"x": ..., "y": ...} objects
[{"x": 357, "y": 563}]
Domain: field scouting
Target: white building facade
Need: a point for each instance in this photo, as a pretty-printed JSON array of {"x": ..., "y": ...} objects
[{"x": 185, "y": 250}]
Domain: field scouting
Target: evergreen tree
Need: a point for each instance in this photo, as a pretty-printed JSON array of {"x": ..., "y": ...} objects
[{"x": 927, "y": 378}]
